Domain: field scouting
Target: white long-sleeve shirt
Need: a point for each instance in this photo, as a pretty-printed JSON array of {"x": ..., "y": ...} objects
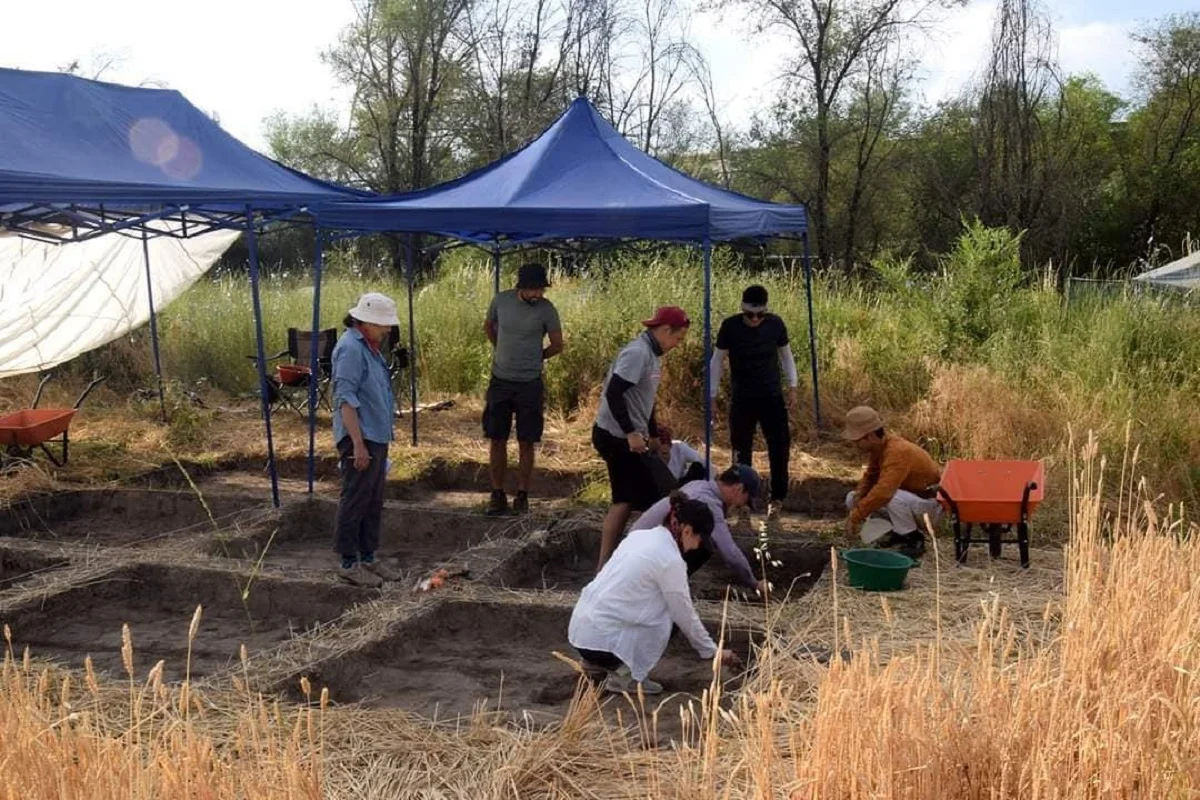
[{"x": 630, "y": 606}]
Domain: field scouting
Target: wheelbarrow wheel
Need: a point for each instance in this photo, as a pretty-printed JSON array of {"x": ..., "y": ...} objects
[{"x": 994, "y": 542}]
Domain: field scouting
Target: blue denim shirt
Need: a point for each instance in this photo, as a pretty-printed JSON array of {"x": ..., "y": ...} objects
[{"x": 361, "y": 381}]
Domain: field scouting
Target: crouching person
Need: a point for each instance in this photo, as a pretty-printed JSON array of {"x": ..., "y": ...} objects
[
  {"x": 363, "y": 412},
  {"x": 899, "y": 483},
  {"x": 624, "y": 617}
]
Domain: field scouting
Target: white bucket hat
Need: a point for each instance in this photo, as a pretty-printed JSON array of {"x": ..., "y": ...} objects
[{"x": 377, "y": 309}]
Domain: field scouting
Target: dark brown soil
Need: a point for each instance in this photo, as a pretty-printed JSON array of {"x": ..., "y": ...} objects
[
  {"x": 19, "y": 566},
  {"x": 816, "y": 496},
  {"x": 412, "y": 540},
  {"x": 568, "y": 562},
  {"x": 467, "y": 656},
  {"x": 458, "y": 476},
  {"x": 158, "y": 603},
  {"x": 125, "y": 517}
]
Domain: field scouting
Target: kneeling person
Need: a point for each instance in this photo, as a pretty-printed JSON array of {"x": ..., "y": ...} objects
[
  {"x": 734, "y": 488},
  {"x": 899, "y": 482},
  {"x": 624, "y": 617}
]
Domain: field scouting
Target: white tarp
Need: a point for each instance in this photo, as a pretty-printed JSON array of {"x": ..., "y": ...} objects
[
  {"x": 60, "y": 300},
  {"x": 1181, "y": 274}
]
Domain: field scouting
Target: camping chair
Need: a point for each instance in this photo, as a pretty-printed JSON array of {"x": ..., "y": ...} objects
[
  {"x": 397, "y": 356},
  {"x": 289, "y": 385}
]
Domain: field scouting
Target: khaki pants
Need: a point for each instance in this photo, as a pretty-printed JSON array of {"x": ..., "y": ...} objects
[{"x": 906, "y": 511}]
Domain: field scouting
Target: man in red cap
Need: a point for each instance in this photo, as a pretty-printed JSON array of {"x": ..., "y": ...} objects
[{"x": 625, "y": 425}]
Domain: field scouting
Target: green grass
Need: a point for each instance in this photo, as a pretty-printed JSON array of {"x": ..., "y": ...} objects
[{"x": 977, "y": 359}]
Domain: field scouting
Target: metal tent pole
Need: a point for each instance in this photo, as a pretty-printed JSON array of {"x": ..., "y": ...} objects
[
  {"x": 162, "y": 402},
  {"x": 812, "y": 334},
  {"x": 708, "y": 400},
  {"x": 313, "y": 360},
  {"x": 252, "y": 246},
  {"x": 496, "y": 271},
  {"x": 412, "y": 342}
]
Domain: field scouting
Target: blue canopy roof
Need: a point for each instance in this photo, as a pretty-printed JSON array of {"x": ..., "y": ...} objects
[
  {"x": 68, "y": 143},
  {"x": 579, "y": 179}
]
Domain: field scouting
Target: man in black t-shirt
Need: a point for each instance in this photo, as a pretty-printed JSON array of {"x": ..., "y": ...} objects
[{"x": 760, "y": 360}]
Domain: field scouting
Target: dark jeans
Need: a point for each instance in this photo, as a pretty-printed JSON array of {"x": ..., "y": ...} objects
[
  {"x": 746, "y": 414},
  {"x": 360, "y": 507},
  {"x": 600, "y": 658}
]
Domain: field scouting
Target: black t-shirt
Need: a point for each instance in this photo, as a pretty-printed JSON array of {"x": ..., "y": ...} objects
[{"x": 753, "y": 355}]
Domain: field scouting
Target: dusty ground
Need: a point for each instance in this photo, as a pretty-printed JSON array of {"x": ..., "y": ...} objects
[{"x": 144, "y": 525}]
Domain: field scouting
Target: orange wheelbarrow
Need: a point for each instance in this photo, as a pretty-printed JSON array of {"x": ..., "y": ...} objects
[
  {"x": 995, "y": 495},
  {"x": 23, "y": 431}
]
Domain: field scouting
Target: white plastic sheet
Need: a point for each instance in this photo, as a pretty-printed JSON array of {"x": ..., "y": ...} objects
[
  {"x": 60, "y": 300},
  {"x": 1181, "y": 274}
]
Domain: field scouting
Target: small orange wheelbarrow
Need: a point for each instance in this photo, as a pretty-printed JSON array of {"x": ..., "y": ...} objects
[
  {"x": 23, "y": 431},
  {"x": 996, "y": 496}
]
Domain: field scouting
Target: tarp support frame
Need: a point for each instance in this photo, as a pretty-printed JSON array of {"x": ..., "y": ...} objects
[
  {"x": 314, "y": 360},
  {"x": 252, "y": 247},
  {"x": 162, "y": 402}
]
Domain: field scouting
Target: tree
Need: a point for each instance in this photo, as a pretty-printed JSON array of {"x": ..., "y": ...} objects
[{"x": 837, "y": 42}]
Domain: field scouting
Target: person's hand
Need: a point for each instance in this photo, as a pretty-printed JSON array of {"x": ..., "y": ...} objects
[
  {"x": 851, "y": 528},
  {"x": 637, "y": 442},
  {"x": 729, "y": 658},
  {"x": 362, "y": 457},
  {"x": 763, "y": 588}
]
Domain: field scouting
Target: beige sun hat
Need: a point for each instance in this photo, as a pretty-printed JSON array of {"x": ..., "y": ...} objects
[
  {"x": 377, "y": 309},
  {"x": 860, "y": 421}
]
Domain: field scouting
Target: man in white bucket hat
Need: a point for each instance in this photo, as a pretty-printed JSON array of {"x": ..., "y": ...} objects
[
  {"x": 898, "y": 482},
  {"x": 364, "y": 408}
]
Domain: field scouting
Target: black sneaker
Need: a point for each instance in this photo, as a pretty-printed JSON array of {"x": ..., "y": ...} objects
[
  {"x": 913, "y": 546},
  {"x": 892, "y": 539},
  {"x": 521, "y": 503},
  {"x": 498, "y": 505}
]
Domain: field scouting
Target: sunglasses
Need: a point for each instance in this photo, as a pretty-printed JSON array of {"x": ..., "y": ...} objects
[{"x": 755, "y": 314}]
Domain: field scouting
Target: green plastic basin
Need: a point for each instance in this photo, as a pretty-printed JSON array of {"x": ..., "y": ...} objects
[{"x": 877, "y": 570}]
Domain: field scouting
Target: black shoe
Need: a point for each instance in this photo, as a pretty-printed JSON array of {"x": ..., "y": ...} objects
[
  {"x": 892, "y": 539},
  {"x": 521, "y": 503},
  {"x": 913, "y": 547},
  {"x": 498, "y": 505}
]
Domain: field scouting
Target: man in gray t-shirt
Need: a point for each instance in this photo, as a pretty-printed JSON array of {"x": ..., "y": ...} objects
[
  {"x": 625, "y": 424},
  {"x": 518, "y": 322}
]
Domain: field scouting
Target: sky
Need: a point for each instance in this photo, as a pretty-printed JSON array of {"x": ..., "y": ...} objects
[{"x": 243, "y": 60}]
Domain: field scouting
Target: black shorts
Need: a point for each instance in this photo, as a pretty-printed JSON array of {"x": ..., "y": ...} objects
[
  {"x": 527, "y": 400},
  {"x": 630, "y": 477}
]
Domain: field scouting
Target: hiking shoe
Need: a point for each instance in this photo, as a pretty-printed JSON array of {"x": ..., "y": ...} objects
[
  {"x": 913, "y": 546},
  {"x": 383, "y": 571},
  {"x": 357, "y": 575},
  {"x": 892, "y": 539},
  {"x": 618, "y": 683},
  {"x": 498, "y": 505},
  {"x": 521, "y": 503}
]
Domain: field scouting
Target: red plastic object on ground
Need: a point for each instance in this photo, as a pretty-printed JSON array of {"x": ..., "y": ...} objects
[
  {"x": 996, "y": 495},
  {"x": 292, "y": 374},
  {"x": 33, "y": 426}
]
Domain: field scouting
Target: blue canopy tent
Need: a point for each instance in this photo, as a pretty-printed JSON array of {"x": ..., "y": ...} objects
[
  {"x": 581, "y": 179},
  {"x": 82, "y": 158}
]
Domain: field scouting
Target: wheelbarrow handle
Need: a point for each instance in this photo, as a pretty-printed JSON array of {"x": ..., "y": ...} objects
[
  {"x": 41, "y": 385},
  {"x": 95, "y": 382}
]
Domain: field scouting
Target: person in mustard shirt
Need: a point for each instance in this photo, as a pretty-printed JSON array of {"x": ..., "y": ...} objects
[{"x": 899, "y": 484}]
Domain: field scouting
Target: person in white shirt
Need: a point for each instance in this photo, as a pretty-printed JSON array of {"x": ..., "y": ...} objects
[
  {"x": 684, "y": 462},
  {"x": 624, "y": 617}
]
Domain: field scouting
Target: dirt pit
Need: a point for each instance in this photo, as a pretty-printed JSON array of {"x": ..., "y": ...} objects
[
  {"x": 819, "y": 496},
  {"x": 412, "y": 540},
  {"x": 124, "y": 517},
  {"x": 465, "y": 657},
  {"x": 158, "y": 603},
  {"x": 567, "y": 562},
  {"x": 442, "y": 475},
  {"x": 19, "y": 567}
]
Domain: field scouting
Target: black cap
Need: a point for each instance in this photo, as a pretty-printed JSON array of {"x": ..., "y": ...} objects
[{"x": 532, "y": 276}]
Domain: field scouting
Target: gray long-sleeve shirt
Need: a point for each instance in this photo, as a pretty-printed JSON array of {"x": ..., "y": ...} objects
[{"x": 709, "y": 493}]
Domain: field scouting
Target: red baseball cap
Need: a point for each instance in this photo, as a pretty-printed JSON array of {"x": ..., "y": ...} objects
[{"x": 674, "y": 316}]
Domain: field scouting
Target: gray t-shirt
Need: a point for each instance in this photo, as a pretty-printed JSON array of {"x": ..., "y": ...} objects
[
  {"x": 639, "y": 364},
  {"x": 520, "y": 330}
]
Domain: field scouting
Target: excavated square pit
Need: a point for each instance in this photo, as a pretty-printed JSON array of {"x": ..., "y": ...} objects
[
  {"x": 123, "y": 517},
  {"x": 157, "y": 602},
  {"x": 18, "y": 568},
  {"x": 567, "y": 562},
  {"x": 412, "y": 539},
  {"x": 467, "y": 656}
]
